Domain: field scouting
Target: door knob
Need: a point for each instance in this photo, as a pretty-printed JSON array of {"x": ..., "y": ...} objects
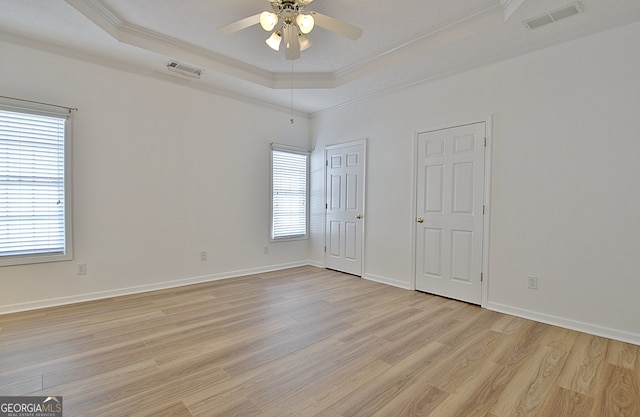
[
  {"x": 420, "y": 220},
  {"x": 358, "y": 216}
]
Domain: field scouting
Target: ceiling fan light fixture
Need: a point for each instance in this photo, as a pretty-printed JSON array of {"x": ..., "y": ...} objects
[
  {"x": 268, "y": 20},
  {"x": 305, "y": 22},
  {"x": 274, "y": 41},
  {"x": 289, "y": 23}
]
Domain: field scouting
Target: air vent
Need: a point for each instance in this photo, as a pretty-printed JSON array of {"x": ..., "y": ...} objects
[
  {"x": 184, "y": 69},
  {"x": 567, "y": 11}
]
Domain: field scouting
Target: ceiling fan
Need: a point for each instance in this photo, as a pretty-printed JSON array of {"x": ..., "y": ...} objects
[{"x": 290, "y": 21}]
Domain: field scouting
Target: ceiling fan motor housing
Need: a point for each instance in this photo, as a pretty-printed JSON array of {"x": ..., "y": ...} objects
[{"x": 288, "y": 9}]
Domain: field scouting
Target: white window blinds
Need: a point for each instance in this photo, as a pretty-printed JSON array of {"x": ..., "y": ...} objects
[
  {"x": 32, "y": 184},
  {"x": 289, "y": 193}
]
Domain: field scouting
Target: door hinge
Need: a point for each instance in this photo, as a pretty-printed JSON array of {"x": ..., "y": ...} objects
[
  {"x": 326, "y": 206},
  {"x": 325, "y": 248},
  {"x": 483, "y": 209},
  {"x": 481, "y": 277},
  {"x": 326, "y": 163},
  {"x": 485, "y": 142}
]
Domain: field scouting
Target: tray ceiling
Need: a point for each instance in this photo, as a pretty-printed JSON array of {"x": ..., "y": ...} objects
[{"x": 404, "y": 42}]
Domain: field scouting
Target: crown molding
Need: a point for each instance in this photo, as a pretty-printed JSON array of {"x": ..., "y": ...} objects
[
  {"x": 309, "y": 80},
  {"x": 99, "y": 14},
  {"x": 481, "y": 19},
  {"x": 510, "y": 6}
]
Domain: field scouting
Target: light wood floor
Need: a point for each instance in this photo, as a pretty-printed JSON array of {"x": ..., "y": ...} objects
[{"x": 310, "y": 342}]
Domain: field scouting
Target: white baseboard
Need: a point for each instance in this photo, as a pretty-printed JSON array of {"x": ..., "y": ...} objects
[
  {"x": 55, "y": 302},
  {"x": 317, "y": 264},
  {"x": 615, "y": 334},
  {"x": 388, "y": 281},
  {"x": 580, "y": 326}
]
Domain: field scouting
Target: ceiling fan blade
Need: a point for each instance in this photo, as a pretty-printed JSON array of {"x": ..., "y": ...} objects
[
  {"x": 291, "y": 43},
  {"x": 337, "y": 26},
  {"x": 239, "y": 25}
]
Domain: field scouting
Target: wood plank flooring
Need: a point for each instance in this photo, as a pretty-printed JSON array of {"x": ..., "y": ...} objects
[{"x": 310, "y": 342}]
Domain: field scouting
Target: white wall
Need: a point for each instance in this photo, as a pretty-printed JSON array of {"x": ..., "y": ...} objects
[
  {"x": 161, "y": 172},
  {"x": 565, "y": 191}
]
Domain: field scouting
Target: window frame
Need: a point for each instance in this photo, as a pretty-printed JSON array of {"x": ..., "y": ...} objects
[
  {"x": 298, "y": 151},
  {"x": 64, "y": 113}
]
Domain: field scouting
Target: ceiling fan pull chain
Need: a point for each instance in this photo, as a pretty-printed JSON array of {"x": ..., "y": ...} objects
[{"x": 291, "y": 92}]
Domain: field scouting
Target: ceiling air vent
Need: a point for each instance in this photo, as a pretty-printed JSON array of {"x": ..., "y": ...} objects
[
  {"x": 554, "y": 16},
  {"x": 184, "y": 69}
]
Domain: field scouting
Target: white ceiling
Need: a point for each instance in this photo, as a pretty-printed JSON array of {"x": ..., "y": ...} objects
[{"x": 404, "y": 41}]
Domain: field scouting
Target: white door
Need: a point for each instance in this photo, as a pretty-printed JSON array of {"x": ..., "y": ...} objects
[
  {"x": 449, "y": 212},
  {"x": 345, "y": 170}
]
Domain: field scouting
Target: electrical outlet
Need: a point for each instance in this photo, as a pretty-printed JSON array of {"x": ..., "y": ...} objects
[
  {"x": 266, "y": 250},
  {"x": 532, "y": 282},
  {"x": 203, "y": 255},
  {"x": 81, "y": 269}
]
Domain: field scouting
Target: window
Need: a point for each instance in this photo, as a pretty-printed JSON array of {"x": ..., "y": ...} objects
[
  {"x": 289, "y": 193},
  {"x": 35, "y": 207}
]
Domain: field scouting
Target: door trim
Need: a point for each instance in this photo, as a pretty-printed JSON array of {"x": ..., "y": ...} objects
[
  {"x": 486, "y": 198},
  {"x": 327, "y": 148}
]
